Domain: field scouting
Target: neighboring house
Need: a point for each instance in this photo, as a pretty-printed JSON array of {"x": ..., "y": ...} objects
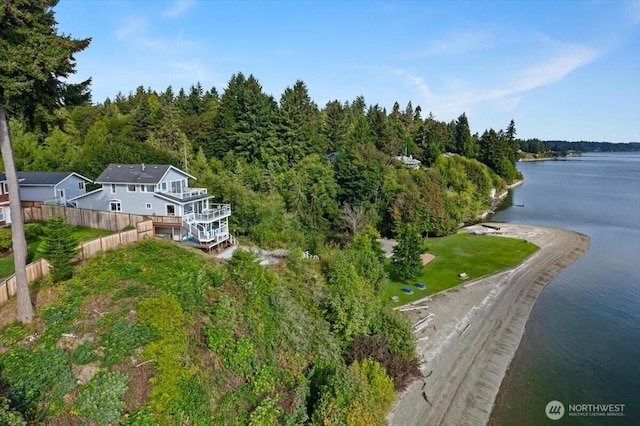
[
  {"x": 46, "y": 187},
  {"x": 51, "y": 187},
  {"x": 409, "y": 162},
  {"x": 5, "y": 214},
  {"x": 161, "y": 190}
]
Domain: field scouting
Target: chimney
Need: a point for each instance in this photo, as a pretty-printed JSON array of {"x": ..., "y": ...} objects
[{"x": 143, "y": 167}]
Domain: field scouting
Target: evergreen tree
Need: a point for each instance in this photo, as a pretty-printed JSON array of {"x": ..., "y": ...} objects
[
  {"x": 59, "y": 248},
  {"x": 335, "y": 125},
  {"x": 465, "y": 144},
  {"x": 34, "y": 64},
  {"x": 512, "y": 143},
  {"x": 299, "y": 124},
  {"x": 359, "y": 173},
  {"x": 406, "y": 254}
]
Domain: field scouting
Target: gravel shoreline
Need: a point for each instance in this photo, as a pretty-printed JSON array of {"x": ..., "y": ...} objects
[{"x": 475, "y": 329}]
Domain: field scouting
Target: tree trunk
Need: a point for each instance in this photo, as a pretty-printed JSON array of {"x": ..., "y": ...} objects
[{"x": 25, "y": 308}]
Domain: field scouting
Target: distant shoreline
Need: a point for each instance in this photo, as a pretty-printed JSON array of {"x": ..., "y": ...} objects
[
  {"x": 530, "y": 160},
  {"x": 475, "y": 330}
]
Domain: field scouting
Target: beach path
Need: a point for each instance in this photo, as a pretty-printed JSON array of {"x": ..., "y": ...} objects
[{"x": 475, "y": 330}]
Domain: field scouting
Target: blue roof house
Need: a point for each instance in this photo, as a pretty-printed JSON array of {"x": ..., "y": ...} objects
[
  {"x": 160, "y": 190},
  {"x": 46, "y": 187}
]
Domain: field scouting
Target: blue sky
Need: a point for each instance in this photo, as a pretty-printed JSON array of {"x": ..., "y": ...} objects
[{"x": 561, "y": 69}]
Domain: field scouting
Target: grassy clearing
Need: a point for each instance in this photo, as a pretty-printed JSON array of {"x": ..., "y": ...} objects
[
  {"x": 79, "y": 234},
  {"x": 475, "y": 255}
]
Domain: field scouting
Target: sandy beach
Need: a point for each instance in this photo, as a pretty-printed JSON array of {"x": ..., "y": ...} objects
[{"x": 474, "y": 330}]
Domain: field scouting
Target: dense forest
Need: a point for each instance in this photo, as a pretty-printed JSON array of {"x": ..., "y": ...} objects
[{"x": 293, "y": 172}]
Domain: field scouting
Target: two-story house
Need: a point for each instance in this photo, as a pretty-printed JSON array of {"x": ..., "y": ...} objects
[
  {"x": 45, "y": 187},
  {"x": 160, "y": 190}
]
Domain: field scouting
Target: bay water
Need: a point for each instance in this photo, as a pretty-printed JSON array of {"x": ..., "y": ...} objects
[{"x": 582, "y": 342}]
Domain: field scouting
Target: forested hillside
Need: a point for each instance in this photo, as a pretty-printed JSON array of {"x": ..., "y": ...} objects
[
  {"x": 156, "y": 333},
  {"x": 293, "y": 172},
  {"x": 564, "y": 147}
]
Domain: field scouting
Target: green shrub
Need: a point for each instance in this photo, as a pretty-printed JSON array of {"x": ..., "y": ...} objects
[
  {"x": 15, "y": 332},
  {"x": 192, "y": 403},
  {"x": 33, "y": 230},
  {"x": 35, "y": 375},
  {"x": 121, "y": 338},
  {"x": 5, "y": 239},
  {"x": 142, "y": 417},
  {"x": 8, "y": 416},
  {"x": 85, "y": 353},
  {"x": 100, "y": 400},
  {"x": 266, "y": 414},
  {"x": 169, "y": 351},
  {"x": 58, "y": 318}
]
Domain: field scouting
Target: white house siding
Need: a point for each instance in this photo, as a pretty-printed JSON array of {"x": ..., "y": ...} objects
[{"x": 5, "y": 217}]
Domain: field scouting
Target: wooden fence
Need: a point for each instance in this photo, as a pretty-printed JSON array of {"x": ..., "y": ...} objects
[
  {"x": 143, "y": 228},
  {"x": 111, "y": 221}
]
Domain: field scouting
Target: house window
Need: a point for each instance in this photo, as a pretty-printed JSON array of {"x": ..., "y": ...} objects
[
  {"x": 176, "y": 187},
  {"x": 80, "y": 186},
  {"x": 163, "y": 186},
  {"x": 115, "y": 206},
  {"x": 171, "y": 210},
  {"x": 150, "y": 188},
  {"x": 146, "y": 188},
  {"x": 5, "y": 187},
  {"x": 148, "y": 205},
  {"x": 131, "y": 188},
  {"x": 1, "y": 214},
  {"x": 61, "y": 193},
  {"x": 113, "y": 188}
]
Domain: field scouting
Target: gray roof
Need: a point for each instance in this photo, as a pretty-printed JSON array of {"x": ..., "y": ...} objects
[
  {"x": 42, "y": 178},
  {"x": 133, "y": 173}
]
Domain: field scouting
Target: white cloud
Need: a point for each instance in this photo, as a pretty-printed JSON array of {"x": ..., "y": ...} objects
[
  {"x": 179, "y": 8},
  {"x": 190, "y": 71},
  {"x": 459, "y": 42},
  {"x": 449, "y": 100},
  {"x": 132, "y": 27},
  {"x": 633, "y": 10}
]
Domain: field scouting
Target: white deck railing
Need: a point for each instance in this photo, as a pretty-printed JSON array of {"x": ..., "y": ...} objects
[
  {"x": 186, "y": 193},
  {"x": 219, "y": 211}
]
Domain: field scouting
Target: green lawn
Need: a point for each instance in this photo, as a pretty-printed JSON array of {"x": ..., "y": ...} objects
[
  {"x": 476, "y": 255},
  {"x": 80, "y": 235}
]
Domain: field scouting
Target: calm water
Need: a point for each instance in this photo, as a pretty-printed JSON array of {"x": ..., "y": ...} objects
[{"x": 582, "y": 341}]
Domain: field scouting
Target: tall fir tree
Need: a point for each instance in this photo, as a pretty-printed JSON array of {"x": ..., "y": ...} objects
[
  {"x": 406, "y": 254},
  {"x": 35, "y": 62}
]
